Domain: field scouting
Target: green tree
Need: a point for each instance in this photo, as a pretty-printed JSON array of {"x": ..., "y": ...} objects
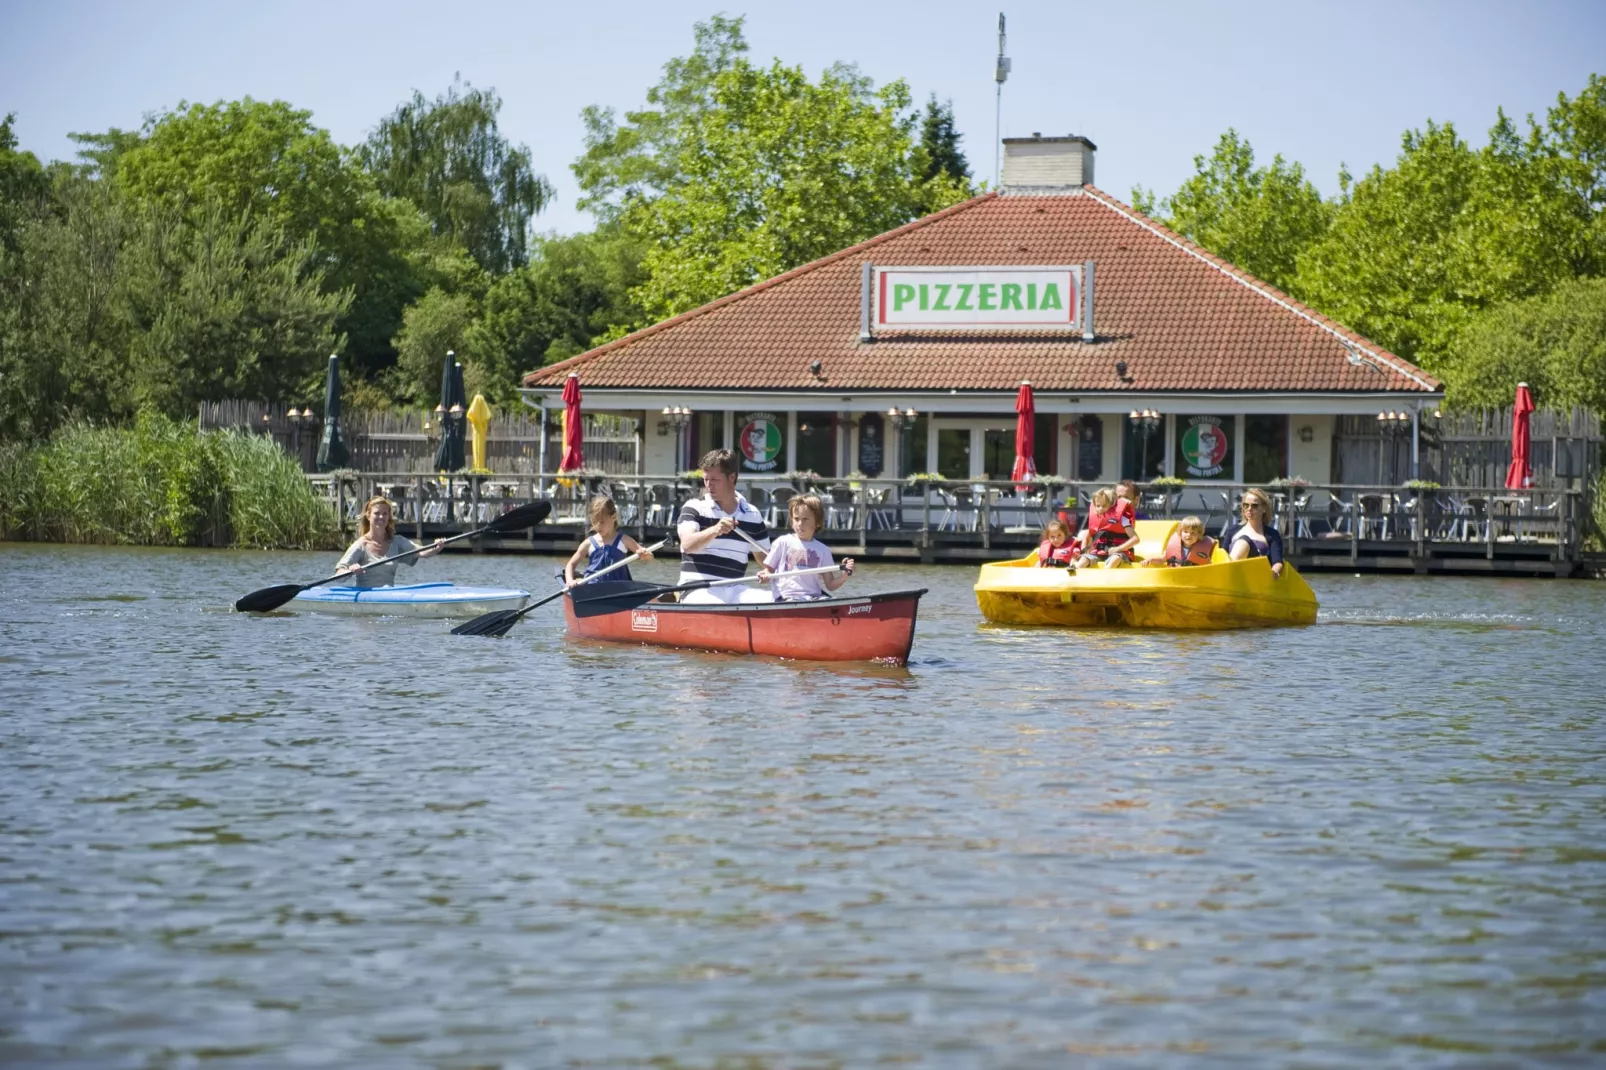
[
  {"x": 940, "y": 153},
  {"x": 778, "y": 171},
  {"x": 1259, "y": 218},
  {"x": 435, "y": 323},
  {"x": 1556, "y": 343},
  {"x": 447, "y": 157},
  {"x": 269, "y": 160},
  {"x": 574, "y": 292},
  {"x": 639, "y": 159},
  {"x": 223, "y": 306},
  {"x": 24, "y": 188}
]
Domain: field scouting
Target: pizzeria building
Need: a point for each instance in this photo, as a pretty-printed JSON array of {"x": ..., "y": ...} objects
[{"x": 1148, "y": 356}]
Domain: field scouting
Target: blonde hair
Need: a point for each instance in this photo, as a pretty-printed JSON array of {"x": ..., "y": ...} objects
[
  {"x": 1103, "y": 498},
  {"x": 1260, "y": 498},
  {"x": 812, "y": 503},
  {"x": 601, "y": 506},
  {"x": 367, "y": 519},
  {"x": 1056, "y": 525},
  {"x": 1191, "y": 523}
]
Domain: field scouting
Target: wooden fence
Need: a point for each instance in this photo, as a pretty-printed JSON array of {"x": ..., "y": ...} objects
[{"x": 398, "y": 442}]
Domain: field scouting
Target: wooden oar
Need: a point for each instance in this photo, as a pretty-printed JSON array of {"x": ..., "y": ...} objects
[
  {"x": 618, "y": 597},
  {"x": 500, "y": 622},
  {"x": 268, "y": 598}
]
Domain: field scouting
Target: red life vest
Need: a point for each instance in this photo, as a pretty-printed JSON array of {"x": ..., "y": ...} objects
[
  {"x": 1060, "y": 556},
  {"x": 1198, "y": 555},
  {"x": 1106, "y": 530}
]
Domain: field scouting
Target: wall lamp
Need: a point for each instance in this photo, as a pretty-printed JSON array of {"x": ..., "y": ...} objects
[
  {"x": 674, "y": 416},
  {"x": 897, "y": 419}
]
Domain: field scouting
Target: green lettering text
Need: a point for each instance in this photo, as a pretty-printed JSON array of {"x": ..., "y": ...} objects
[
  {"x": 942, "y": 297},
  {"x": 1051, "y": 296},
  {"x": 1031, "y": 296},
  {"x": 1009, "y": 296},
  {"x": 902, "y": 294},
  {"x": 925, "y": 297},
  {"x": 964, "y": 304},
  {"x": 984, "y": 297}
]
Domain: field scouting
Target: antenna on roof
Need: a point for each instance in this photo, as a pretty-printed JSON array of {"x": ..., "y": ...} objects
[{"x": 1000, "y": 73}]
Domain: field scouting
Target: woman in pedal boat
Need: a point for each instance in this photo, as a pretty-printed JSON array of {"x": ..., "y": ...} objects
[
  {"x": 1256, "y": 537},
  {"x": 377, "y": 540}
]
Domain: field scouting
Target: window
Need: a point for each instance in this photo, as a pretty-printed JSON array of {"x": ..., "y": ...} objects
[
  {"x": 1089, "y": 448},
  {"x": 816, "y": 442},
  {"x": 1265, "y": 448},
  {"x": 1204, "y": 447},
  {"x": 1143, "y": 448},
  {"x": 912, "y": 447},
  {"x": 953, "y": 452},
  {"x": 997, "y": 453}
]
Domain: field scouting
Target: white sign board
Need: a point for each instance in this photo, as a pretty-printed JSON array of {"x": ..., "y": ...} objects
[{"x": 978, "y": 298}]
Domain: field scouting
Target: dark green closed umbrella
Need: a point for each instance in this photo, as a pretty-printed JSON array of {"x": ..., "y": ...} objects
[
  {"x": 332, "y": 451},
  {"x": 449, "y": 455}
]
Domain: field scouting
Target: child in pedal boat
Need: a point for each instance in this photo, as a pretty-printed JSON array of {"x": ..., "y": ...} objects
[
  {"x": 1109, "y": 536},
  {"x": 1057, "y": 550},
  {"x": 1188, "y": 546},
  {"x": 607, "y": 546},
  {"x": 801, "y": 550},
  {"x": 377, "y": 540}
]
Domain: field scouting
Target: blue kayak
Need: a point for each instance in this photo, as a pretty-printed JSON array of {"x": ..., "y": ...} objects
[{"x": 411, "y": 600}]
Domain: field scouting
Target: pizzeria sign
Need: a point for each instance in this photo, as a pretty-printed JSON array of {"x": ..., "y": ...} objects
[{"x": 978, "y": 298}]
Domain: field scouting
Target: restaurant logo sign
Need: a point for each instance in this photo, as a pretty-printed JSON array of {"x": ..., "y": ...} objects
[
  {"x": 1204, "y": 447},
  {"x": 978, "y": 298},
  {"x": 760, "y": 440}
]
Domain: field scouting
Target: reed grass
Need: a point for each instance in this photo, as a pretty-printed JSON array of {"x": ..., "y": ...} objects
[{"x": 160, "y": 483}]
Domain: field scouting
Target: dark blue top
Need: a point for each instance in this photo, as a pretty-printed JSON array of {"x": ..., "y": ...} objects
[
  {"x": 1274, "y": 544},
  {"x": 605, "y": 554}
]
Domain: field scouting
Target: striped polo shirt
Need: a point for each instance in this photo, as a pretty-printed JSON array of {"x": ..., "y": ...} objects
[{"x": 727, "y": 556}]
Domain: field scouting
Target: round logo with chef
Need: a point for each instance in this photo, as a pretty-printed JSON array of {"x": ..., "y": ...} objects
[
  {"x": 760, "y": 440},
  {"x": 1204, "y": 447}
]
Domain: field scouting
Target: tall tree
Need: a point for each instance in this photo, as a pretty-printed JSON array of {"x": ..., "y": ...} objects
[
  {"x": 940, "y": 153},
  {"x": 448, "y": 157},
  {"x": 269, "y": 160},
  {"x": 1259, "y": 218},
  {"x": 638, "y": 159},
  {"x": 24, "y": 189},
  {"x": 777, "y": 171}
]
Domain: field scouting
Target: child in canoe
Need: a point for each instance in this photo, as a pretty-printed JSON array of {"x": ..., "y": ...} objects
[
  {"x": 607, "y": 546},
  {"x": 801, "y": 550},
  {"x": 1057, "y": 550}
]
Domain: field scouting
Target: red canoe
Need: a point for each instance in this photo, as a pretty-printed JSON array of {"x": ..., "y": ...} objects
[{"x": 875, "y": 627}]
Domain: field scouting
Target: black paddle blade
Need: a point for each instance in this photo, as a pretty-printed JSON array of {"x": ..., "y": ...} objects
[
  {"x": 496, "y": 624},
  {"x": 595, "y": 599},
  {"x": 527, "y": 515},
  {"x": 269, "y": 598}
]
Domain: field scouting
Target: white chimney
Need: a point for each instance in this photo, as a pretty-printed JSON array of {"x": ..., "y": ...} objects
[{"x": 1041, "y": 163}]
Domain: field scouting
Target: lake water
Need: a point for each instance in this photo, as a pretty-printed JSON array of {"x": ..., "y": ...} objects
[{"x": 320, "y": 841}]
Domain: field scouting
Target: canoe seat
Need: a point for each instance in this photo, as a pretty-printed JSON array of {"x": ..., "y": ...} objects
[{"x": 1152, "y": 537}]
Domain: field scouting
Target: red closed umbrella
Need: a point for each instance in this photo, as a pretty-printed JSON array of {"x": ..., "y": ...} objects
[
  {"x": 573, "y": 433},
  {"x": 1520, "y": 475},
  {"x": 1025, "y": 436}
]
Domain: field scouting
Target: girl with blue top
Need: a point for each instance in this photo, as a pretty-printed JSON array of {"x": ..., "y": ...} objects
[{"x": 605, "y": 547}]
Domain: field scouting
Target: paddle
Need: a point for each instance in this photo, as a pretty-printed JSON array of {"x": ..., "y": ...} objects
[
  {"x": 500, "y": 622},
  {"x": 269, "y": 598},
  {"x": 618, "y": 597}
]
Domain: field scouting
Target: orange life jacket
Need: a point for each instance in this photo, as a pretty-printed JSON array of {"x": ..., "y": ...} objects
[{"x": 1198, "y": 555}]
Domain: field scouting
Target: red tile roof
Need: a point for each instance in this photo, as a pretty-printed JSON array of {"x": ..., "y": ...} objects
[{"x": 1181, "y": 319}]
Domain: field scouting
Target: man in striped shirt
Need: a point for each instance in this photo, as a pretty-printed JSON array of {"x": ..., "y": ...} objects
[{"x": 710, "y": 546}]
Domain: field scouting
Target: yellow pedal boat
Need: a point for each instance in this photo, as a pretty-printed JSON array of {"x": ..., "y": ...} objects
[{"x": 1222, "y": 594}]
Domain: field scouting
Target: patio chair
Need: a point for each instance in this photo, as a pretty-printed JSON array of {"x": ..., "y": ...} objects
[
  {"x": 839, "y": 508},
  {"x": 662, "y": 506},
  {"x": 878, "y": 513},
  {"x": 779, "y": 497}
]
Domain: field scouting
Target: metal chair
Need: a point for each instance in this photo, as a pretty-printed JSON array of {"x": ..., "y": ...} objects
[{"x": 779, "y": 497}]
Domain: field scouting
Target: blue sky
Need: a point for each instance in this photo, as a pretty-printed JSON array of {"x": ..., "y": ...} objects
[{"x": 1153, "y": 85}]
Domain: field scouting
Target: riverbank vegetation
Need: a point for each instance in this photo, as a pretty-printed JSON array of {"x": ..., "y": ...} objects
[
  {"x": 223, "y": 250},
  {"x": 159, "y": 483}
]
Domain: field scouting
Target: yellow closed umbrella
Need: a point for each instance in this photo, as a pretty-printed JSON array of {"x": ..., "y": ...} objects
[{"x": 479, "y": 422}]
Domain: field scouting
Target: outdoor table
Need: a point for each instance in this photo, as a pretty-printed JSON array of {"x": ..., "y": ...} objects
[{"x": 1508, "y": 508}]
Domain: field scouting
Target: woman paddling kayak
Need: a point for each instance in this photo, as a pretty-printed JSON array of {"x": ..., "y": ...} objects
[{"x": 377, "y": 540}]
